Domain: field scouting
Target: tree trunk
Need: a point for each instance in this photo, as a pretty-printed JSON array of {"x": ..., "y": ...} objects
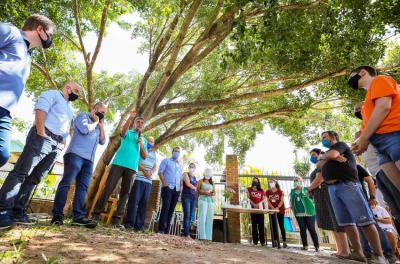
[{"x": 98, "y": 173}]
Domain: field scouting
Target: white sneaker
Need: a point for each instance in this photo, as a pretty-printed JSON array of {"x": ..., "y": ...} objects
[{"x": 378, "y": 260}]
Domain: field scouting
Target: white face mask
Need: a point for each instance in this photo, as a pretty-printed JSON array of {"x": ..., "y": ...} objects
[
  {"x": 207, "y": 177},
  {"x": 192, "y": 170},
  {"x": 272, "y": 184}
]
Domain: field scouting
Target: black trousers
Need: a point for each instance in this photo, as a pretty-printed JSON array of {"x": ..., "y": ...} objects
[
  {"x": 116, "y": 172},
  {"x": 257, "y": 228},
  {"x": 281, "y": 218},
  {"x": 307, "y": 223}
]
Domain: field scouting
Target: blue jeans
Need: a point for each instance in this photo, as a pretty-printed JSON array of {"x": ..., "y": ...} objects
[
  {"x": 169, "y": 199},
  {"x": 5, "y": 136},
  {"x": 386, "y": 247},
  {"x": 80, "y": 169},
  {"x": 387, "y": 146},
  {"x": 189, "y": 207},
  {"x": 349, "y": 204},
  {"x": 137, "y": 205},
  {"x": 36, "y": 160}
]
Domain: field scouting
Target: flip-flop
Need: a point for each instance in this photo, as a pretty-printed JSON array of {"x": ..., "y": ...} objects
[{"x": 353, "y": 256}]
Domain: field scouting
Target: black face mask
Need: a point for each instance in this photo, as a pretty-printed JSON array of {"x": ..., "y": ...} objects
[
  {"x": 358, "y": 114},
  {"x": 353, "y": 81},
  {"x": 100, "y": 116},
  {"x": 46, "y": 43},
  {"x": 254, "y": 184},
  {"x": 72, "y": 97}
]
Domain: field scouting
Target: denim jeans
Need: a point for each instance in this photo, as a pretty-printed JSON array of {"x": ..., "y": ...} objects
[
  {"x": 137, "y": 205},
  {"x": 349, "y": 204},
  {"x": 35, "y": 161},
  {"x": 387, "y": 146},
  {"x": 79, "y": 170},
  {"x": 169, "y": 199},
  {"x": 189, "y": 207},
  {"x": 308, "y": 223},
  {"x": 386, "y": 247},
  {"x": 5, "y": 136}
]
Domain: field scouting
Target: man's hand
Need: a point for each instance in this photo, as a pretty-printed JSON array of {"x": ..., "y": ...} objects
[
  {"x": 360, "y": 145},
  {"x": 372, "y": 202},
  {"x": 140, "y": 142},
  {"x": 133, "y": 115},
  {"x": 309, "y": 192},
  {"x": 101, "y": 124},
  {"x": 42, "y": 134},
  {"x": 147, "y": 174},
  {"x": 341, "y": 159},
  {"x": 164, "y": 184}
]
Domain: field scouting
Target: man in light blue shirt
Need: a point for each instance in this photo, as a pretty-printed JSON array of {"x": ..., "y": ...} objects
[
  {"x": 46, "y": 139},
  {"x": 170, "y": 172},
  {"x": 78, "y": 164},
  {"x": 15, "y": 62},
  {"x": 141, "y": 189}
]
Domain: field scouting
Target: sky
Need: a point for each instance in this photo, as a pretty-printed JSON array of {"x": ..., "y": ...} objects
[{"x": 119, "y": 53}]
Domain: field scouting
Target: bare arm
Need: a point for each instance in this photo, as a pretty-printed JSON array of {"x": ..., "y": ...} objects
[
  {"x": 316, "y": 182},
  {"x": 386, "y": 220},
  {"x": 40, "y": 117},
  {"x": 128, "y": 124},
  {"x": 282, "y": 200},
  {"x": 164, "y": 183},
  {"x": 143, "y": 153},
  {"x": 102, "y": 136},
  {"x": 187, "y": 181},
  {"x": 371, "y": 185}
]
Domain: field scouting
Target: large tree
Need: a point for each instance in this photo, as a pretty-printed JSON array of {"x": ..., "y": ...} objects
[{"x": 218, "y": 70}]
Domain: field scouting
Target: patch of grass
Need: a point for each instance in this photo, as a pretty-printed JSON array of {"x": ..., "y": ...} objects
[
  {"x": 81, "y": 237},
  {"x": 16, "y": 253},
  {"x": 50, "y": 260}
]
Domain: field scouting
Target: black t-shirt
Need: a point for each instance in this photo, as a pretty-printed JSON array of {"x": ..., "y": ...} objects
[
  {"x": 346, "y": 171},
  {"x": 362, "y": 173}
]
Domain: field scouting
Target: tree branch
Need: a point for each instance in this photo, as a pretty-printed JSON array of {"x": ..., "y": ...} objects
[
  {"x": 249, "y": 119},
  {"x": 78, "y": 31}
]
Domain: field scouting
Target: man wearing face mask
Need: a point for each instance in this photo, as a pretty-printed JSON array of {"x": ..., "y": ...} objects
[
  {"x": 45, "y": 141},
  {"x": 339, "y": 171},
  {"x": 78, "y": 164},
  {"x": 170, "y": 173},
  {"x": 15, "y": 62},
  {"x": 381, "y": 119},
  {"x": 124, "y": 165},
  {"x": 141, "y": 189}
]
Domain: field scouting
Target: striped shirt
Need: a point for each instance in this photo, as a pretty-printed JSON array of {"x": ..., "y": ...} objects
[{"x": 148, "y": 164}]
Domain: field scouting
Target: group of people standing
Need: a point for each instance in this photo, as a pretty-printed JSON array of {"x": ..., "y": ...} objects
[{"x": 135, "y": 161}]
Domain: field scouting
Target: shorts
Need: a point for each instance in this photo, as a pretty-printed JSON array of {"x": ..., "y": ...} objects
[
  {"x": 387, "y": 146},
  {"x": 349, "y": 204}
]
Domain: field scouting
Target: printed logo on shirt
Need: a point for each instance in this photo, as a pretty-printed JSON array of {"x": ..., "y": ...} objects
[
  {"x": 257, "y": 195},
  {"x": 273, "y": 197}
]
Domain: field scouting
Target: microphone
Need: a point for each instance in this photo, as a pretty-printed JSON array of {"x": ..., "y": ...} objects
[{"x": 139, "y": 134}]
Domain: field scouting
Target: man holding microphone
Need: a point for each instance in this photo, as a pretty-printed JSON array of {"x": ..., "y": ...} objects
[{"x": 125, "y": 164}]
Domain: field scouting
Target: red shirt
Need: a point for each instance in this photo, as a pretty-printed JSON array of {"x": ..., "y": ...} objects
[
  {"x": 275, "y": 198},
  {"x": 256, "y": 196}
]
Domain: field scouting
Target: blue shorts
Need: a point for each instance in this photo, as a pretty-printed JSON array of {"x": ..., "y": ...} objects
[
  {"x": 350, "y": 205},
  {"x": 387, "y": 146}
]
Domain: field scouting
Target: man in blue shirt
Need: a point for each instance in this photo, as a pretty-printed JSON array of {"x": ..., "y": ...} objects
[
  {"x": 46, "y": 139},
  {"x": 171, "y": 177},
  {"x": 124, "y": 165},
  {"x": 15, "y": 62},
  {"x": 140, "y": 193},
  {"x": 78, "y": 164}
]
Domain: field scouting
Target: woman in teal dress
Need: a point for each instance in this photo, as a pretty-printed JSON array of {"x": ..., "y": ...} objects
[{"x": 205, "y": 189}]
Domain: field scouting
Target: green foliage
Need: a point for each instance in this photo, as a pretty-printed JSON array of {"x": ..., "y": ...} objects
[{"x": 301, "y": 167}]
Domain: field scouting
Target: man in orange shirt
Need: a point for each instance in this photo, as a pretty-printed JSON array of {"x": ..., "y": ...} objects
[{"x": 381, "y": 119}]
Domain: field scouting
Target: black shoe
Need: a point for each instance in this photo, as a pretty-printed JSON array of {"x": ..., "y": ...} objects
[
  {"x": 304, "y": 248},
  {"x": 6, "y": 222},
  {"x": 24, "y": 219},
  {"x": 88, "y": 223},
  {"x": 57, "y": 220},
  {"x": 284, "y": 245},
  {"x": 317, "y": 249}
]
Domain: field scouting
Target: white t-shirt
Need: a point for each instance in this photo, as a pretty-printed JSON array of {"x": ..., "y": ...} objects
[
  {"x": 380, "y": 212},
  {"x": 371, "y": 159}
]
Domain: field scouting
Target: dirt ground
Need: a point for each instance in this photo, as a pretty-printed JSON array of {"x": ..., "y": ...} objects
[{"x": 45, "y": 244}]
